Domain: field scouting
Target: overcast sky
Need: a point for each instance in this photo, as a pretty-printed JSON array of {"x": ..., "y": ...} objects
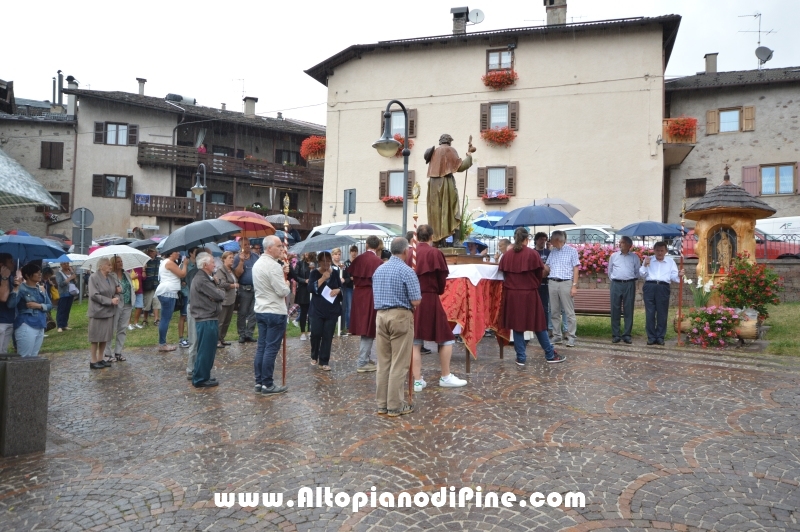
[{"x": 205, "y": 49}]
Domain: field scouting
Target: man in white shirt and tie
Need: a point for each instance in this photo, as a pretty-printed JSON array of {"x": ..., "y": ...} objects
[{"x": 658, "y": 272}]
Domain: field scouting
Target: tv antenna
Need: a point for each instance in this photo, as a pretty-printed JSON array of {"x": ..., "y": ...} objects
[
  {"x": 763, "y": 53},
  {"x": 476, "y": 16}
]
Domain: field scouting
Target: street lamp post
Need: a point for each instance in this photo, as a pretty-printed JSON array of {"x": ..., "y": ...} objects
[
  {"x": 387, "y": 146},
  {"x": 199, "y": 190}
]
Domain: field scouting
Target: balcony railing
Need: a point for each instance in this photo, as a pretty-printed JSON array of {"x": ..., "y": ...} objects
[
  {"x": 671, "y": 139},
  {"x": 187, "y": 157}
]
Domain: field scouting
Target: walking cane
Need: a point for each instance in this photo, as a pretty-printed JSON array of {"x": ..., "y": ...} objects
[
  {"x": 415, "y": 195},
  {"x": 285, "y": 276},
  {"x": 680, "y": 281}
]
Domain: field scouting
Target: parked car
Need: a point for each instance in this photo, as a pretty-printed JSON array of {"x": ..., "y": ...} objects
[
  {"x": 767, "y": 246},
  {"x": 590, "y": 234},
  {"x": 333, "y": 228},
  {"x": 787, "y": 228}
]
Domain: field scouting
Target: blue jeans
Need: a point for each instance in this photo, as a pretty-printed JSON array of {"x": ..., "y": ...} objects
[
  {"x": 520, "y": 344},
  {"x": 29, "y": 340},
  {"x": 347, "y": 303},
  {"x": 167, "y": 308},
  {"x": 62, "y": 313},
  {"x": 271, "y": 328},
  {"x": 544, "y": 294},
  {"x": 207, "y": 335}
]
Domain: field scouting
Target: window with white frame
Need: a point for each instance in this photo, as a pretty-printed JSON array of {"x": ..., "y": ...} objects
[
  {"x": 117, "y": 134},
  {"x": 777, "y": 179},
  {"x": 498, "y": 115},
  {"x": 398, "y": 123},
  {"x": 499, "y": 59},
  {"x": 395, "y": 184},
  {"x": 495, "y": 182},
  {"x": 729, "y": 120}
]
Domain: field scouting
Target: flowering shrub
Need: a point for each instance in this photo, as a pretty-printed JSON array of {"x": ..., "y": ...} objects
[
  {"x": 751, "y": 285},
  {"x": 499, "y": 136},
  {"x": 399, "y": 138},
  {"x": 702, "y": 292},
  {"x": 500, "y": 79},
  {"x": 642, "y": 252},
  {"x": 712, "y": 326},
  {"x": 593, "y": 258},
  {"x": 313, "y": 148},
  {"x": 392, "y": 199},
  {"x": 496, "y": 196},
  {"x": 683, "y": 126}
]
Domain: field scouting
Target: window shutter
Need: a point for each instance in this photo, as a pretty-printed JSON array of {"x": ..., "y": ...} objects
[
  {"x": 45, "y": 162},
  {"x": 65, "y": 202},
  {"x": 513, "y": 116},
  {"x": 412, "y": 123},
  {"x": 712, "y": 122},
  {"x": 99, "y": 132},
  {"x": 129, "y": 186},
  {"x": 750, "y": 179},
  {"x": 97, "y": 185},
  {"x": 511, "y": 180},
  {"x": 57, "y": 155},
  {"x": 411, "y": 181},
  {"x": 484, "y": 116},
  {"x": 481, "y": 181},
  {"x": 695, "y": 188},
  {"x": 133, "y": 135},
  {"x": 749, "y": 122},
  {"x": 383, "y": 185},
  {"x": 796, "y": 178}
]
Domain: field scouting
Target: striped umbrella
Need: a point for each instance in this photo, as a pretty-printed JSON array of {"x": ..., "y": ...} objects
[{"x": 253, "y": 225}]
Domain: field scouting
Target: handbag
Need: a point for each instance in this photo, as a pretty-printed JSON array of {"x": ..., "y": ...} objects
[
  {"x": 73, "y": 290},
  {"x": 51, "y": 323}
]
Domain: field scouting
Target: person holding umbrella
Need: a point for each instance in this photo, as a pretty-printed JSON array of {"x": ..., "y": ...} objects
[
  {"x": 122, "y": 313},
  {"x": 8, "y": 282},
  {"x": 32, "y": 304},
  {"x": 64, "y": 278},
  {"x": 103, "y": 301}
]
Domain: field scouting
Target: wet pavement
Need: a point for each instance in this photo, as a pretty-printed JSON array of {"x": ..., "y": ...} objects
[{"x": 653, "y": 438}]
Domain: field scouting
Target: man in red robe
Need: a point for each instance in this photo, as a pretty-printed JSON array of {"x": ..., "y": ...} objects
[
  {"x": 430, "y": 320},
  {"x": 362, "y": 312}
]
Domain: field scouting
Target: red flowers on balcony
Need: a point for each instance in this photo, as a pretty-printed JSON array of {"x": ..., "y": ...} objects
[
  {"x": 499, "y": 136},
  {"x": 500, "y": 79},
  {"x": 313, "y": 148},
  {"x": 399, "y": 138},
  {"x": 392, "y": 200},
  {"x": 682, "y": 127}
]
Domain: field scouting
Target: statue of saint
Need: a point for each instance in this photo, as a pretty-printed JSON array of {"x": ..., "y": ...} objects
[
  {"x": 724, "y": 252},
  {"x": 444, "y": 215}
]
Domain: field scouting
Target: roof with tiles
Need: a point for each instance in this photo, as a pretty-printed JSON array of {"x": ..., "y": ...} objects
[
  {"x": 728, "y": 197},
  {"x": 734, "y": 79}
]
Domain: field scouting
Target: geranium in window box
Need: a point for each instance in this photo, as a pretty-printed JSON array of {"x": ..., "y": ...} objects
[
  {"x": 499, "y": 199},
  {"x": 500, "y": 79},
  {"x": 313, "y": 148},
  {"x": 399, "y": 138},
  {"x": 499, "y": 136},
  {"x": 683, "y": 127},
  {"x": 392, "y": 201}
]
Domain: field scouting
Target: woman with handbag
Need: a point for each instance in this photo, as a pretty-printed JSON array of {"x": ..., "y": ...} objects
[
  {"x": 65, "y": 279},
  {"x": 169, "y": 286},
  {"x": 227, "y": 281},
  {"x": 32, "y": 303},
  {"x": 103, "y": 301}
]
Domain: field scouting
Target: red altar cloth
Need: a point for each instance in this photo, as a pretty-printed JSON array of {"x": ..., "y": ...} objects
[{"x": 475, "y": 308}]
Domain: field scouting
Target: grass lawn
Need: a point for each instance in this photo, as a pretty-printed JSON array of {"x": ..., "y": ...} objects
[{"x": 147, "y": 337}]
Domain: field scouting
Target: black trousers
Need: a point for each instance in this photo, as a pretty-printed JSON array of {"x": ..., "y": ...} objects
[
  {"x": 656, "y": 308},
  {"x": 623, "y": 296},
  {"x": 303, "y": 317},
  {"x": 321, "y": 339}
]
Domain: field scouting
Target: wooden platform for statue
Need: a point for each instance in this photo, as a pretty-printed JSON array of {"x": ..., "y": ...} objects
[{"x": 465, "y": 259}]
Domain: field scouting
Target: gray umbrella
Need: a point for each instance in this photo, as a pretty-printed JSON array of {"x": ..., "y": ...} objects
[
  {"x": 143, "y": 244},
  {"x": 196, "y": 234},
  {"x": 321, "y": 243},
  {"x": 278, "y": 219},
  {"x": 18, "y": 188}
]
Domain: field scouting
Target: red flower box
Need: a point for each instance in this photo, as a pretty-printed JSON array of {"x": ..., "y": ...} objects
[
  {"x": 499, "y": 136},
  {"x": 313, "y": 148},
  {"x": 682, "y": 127},
  {"x": 500, "y": 79},
  {"x": 390, "y": 201}
]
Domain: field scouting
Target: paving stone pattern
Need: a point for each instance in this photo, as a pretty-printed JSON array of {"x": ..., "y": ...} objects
[{"x": 655, "y": 439}]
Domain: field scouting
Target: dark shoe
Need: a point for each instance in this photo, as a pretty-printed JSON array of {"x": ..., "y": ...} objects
[
  {"x": 615, "y": 340},
  {"x": 627, "y": 340},
  {"x": 382, "y": 411},
  {"x": 210, "y": 383},
  {"x": 651, "y": 342},
  {"x": 425, "y": 351},
  {"x": 250, "y": 339},
  {"x": 520, "y": 363},
  {"x": 220, "y": 346},
  {"x": 407, "y": 409},
  {"x": 96, "y": 365},
  {"x": 242, "y": 340},
  {"x": 273, "y": 390},
  {"x": 556, "y": 359},
  {"x": 660, "y": 342},
  {"x": 189, "y": 376},
  {"x": 106, "y": 363},
  {"x": 107, "y": 358},
  {"x": 226, "y": 343},
  {"x": 258, "y": 389},
  {"x": 119, "y": 357}
]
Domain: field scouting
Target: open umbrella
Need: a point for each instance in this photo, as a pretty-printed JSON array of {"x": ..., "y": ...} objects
[
  {"x": 322, "y": 243},
  {"x": 25, "y": 249},
  {"x": 485, "y": 225},
  {"x": 279, "y": 219},
  {"x": 123, "y": 241},
  {"x": 481, "y": 246},
  {"x": 288, "y": 237},
  {"x": 231, "y": 245},
  {"x": 533, "y": 215},
  {"x": 131, "y": 258},
  {"x": 252, "y": 224},
  {"x": 196, "y": 234},
  {"x": 143, "y": 244},
  {"x": 18, "y": 188},
  {"x": 558, "y": 204},
  {"x": 650, "y": 229},
  {"x": 72, "y": 258}
]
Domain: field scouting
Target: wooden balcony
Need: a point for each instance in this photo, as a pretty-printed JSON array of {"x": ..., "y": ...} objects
[
  {"x": 676, "y": 149},
  {"x": 252, "y": 170}
]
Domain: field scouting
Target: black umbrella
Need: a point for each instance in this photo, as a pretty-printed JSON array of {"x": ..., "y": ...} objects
[
  {"x": 122, "y": 241},
  {"x": 196, "y": 234},
  {"x": 321, "y": 243},
  {"x": 143, "y": 244}
]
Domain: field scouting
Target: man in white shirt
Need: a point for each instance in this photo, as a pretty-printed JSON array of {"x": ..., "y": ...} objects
[
  {"x": 623, "y": 270},
  {"x": 562, "y": 269},
  {"x": 271, "y": 286},
  {"x": 658, "y": 272}
]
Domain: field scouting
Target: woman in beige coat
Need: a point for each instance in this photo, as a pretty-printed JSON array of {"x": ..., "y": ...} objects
[
  {"x": 227, "y": 281},
  {"x": 103, "y": 301}
]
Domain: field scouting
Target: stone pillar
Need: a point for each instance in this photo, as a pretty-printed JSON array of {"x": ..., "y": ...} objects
[{"x": 24, "y": 392}]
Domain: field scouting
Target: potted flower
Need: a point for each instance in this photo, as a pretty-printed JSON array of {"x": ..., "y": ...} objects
[
  {"x": 399, "y": 138},
  {"x": 683, "y": 127},
  {"x": 313, "y": 148},
  {"x": 750, "y": 286},
  {"x": 712, "y": 326},
  {"x": 495, "y": 199},
  {"x": 391, "y": 201},
  {"x": 499, "y": 136},
  {"x": 701, "y": 293},
  {"x": 500, "y": 79}
]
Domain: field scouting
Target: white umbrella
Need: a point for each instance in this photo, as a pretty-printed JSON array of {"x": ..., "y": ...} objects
[
  {"x": 75, "y": 258},
  {"x": 362, "y": 232},
  {"x": 558, "y": 204},
  {"x": 18, "y": 188},
  {"x": 131, "y": 258}
]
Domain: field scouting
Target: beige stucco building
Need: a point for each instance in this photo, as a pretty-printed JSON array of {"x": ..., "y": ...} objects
[{"x": 587, "y": 111}]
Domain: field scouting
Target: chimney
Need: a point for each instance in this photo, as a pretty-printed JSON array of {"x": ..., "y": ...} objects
[
  {"x": 72, "y": 100},
  {"x": 223, "y": 106},
  {"x": 60, "y": 88},
  {"x": 711, "y": 63},
  {"x": 141, "y": 81},
  {"x": 459, "y": 20},
  {"x": 250, "y": 105},
  {"x": 54, "y": 91},
  {"x": 280, "y": 115},
  {"x": 556, "y": 11}
]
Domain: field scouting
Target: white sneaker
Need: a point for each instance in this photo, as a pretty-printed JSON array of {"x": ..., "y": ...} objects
[
  {"x": 451, "y": 381},
  {"x": 130, "y": 327},
  {"x": 139, "y": 326},
  {"x": 303, "y": 336},
  {"x": 420, "y": 385}
]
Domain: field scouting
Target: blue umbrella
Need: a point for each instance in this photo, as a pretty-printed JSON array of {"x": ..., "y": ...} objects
[
  {"x": 231, "y": 245},
  {"x": 485, "y": 225},
  {"x": 25, "y": 249},
  {"x": 481, "y": 246},
  {"x": 649, "y": 229},
  {"x": 533, "y": 215}
]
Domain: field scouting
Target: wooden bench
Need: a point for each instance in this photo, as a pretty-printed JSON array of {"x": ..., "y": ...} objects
[{"x": 593, "y": 302}]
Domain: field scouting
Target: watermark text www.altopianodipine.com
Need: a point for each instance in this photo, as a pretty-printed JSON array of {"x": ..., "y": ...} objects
[{"x": 454, "y": 498}]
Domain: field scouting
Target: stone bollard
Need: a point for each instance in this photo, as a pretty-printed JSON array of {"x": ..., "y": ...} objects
[{"x": 24, "y": 392}]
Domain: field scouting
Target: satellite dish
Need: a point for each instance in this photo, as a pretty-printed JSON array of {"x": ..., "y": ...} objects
[
  {"x": 476, "y": 16},
  {"x": 764, "y": 54}
]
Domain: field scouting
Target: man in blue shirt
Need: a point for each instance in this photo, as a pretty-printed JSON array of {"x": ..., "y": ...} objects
[
  {"x": 396, "y": 293},
  {"x": 243, "y": 270}
]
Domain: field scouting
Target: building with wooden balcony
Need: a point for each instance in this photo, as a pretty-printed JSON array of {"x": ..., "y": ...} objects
[{"x": 138, "y": 157}]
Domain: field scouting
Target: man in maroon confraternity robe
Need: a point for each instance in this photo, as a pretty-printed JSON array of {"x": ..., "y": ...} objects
[
  {"x": 430, "y": 320},
  {"x": 362, "y": 312}
]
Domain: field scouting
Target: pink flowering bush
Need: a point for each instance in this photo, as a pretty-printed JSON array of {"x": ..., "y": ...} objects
[
  {"x": 712, "y": 326},
  {"x": 593, "y": 258}
]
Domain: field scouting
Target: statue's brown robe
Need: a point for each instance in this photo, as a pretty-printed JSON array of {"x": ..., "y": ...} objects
[{"x": 444, "y": 215}]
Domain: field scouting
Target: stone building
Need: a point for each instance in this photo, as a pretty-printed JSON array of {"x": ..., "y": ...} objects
[{"x": 748, "y": 119}]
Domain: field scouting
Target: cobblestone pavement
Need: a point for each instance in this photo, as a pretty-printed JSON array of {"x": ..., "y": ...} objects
[{"x": 653, "y": 438}]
